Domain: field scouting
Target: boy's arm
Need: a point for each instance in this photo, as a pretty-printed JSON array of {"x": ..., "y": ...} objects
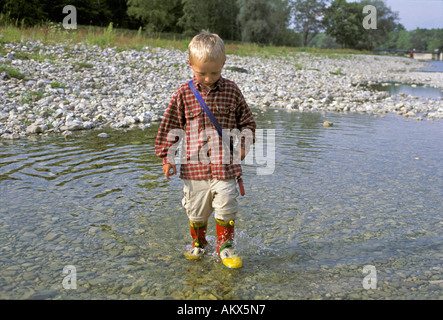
[
  {"x": 246, "y": 124},
  {"x": 171, "y": 123}
]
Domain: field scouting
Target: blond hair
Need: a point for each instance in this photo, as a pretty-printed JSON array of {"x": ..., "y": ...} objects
[{"x": 206, "y": 46}]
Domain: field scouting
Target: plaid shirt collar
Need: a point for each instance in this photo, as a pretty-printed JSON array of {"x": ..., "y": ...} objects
[{"x": 219, "y": 85}]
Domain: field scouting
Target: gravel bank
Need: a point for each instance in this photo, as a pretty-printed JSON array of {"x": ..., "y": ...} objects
[{"x": 68, "y": 87}]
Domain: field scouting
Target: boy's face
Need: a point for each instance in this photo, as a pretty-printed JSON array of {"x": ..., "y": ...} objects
[{"x": 207, "y": 72}]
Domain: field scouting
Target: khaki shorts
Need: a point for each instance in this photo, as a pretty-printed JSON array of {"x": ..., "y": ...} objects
[{"x": 202, "y": 197}]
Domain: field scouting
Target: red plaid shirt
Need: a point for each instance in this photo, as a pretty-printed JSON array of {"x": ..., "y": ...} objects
[{"x": 185, "y": 120}]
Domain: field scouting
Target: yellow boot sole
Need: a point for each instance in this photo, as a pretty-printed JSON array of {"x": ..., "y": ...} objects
[
  {"x": 195, "y": 253},
  {"x": 232, "y": 263},
  {"x": 230, "y": 259}
]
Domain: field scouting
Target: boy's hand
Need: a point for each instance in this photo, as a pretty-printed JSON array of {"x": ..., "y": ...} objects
[
  {"x": 167, "y": 170},
  {"x": 242, "y": 154}
]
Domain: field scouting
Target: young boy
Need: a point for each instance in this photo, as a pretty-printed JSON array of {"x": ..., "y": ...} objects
[{"x": 209, "y": 179}]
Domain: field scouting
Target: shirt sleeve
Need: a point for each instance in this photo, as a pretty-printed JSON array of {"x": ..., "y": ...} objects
[
  {"x": 245, "y": 122},
  {"x": 170, "y": 131}
]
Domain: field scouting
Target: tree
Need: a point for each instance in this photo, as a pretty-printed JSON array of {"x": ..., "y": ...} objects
[
  {"x": 218, "y": 16},
  {"x": 418, "y": 39},
  {"x": 307, "y": 16},
  {"x": 403, "y": 41},
  {"x": 425, "y": 39},
  {"x": 343, "y": 21},
  {"x": 436, "y": 39},
  {"x": 323, "y": 41},
  {"x": 89, "y": 12},
  {"x": 119, "y": 15},
  {"x": 25, "y": 12},
  {"x": 156, "y": 15},
  {"x": 387, "y": 21},
  {"x": 225, "y": 21},
  {"x": 281, "y": 14},
  {"x": 261, "y": 21}
]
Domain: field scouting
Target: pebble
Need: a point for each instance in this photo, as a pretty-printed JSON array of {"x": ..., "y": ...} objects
[
  {"x": 43, "y": 294},
  {"x": 103, "y": 135},
  {"x": 124, "y": 89},
  {"x": 51, "y": 236}
]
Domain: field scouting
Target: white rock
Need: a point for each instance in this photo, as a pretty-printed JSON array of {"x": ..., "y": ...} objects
[
  {"x": 73, "y": 125},
  {"x": 103, "y": 135},
  {"x": 33, "y": 128}
]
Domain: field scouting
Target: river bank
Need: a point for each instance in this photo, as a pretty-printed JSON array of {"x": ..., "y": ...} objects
[{"x": 62, "y": 88}]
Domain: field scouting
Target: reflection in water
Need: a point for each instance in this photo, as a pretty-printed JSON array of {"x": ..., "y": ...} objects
[
  {"x": 365, "y": 191},
  {"x": 396, "y": 88}
]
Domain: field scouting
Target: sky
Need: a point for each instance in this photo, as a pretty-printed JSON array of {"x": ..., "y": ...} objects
[
  {"x": 427, "y": 14},
  {"x": 413, "y": 14}
]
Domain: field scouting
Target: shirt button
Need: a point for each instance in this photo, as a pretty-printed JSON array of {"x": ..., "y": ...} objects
[
  {"x": 191, "y": 114},
  {"x": 209, "y": 139}
]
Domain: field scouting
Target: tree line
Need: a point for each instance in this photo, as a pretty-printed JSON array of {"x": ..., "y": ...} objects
[{"x": 320, "y": 23}]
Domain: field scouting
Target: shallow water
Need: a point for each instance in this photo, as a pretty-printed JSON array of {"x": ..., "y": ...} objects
[
  {"x": 433, "y": 66},
  {"x": 397, "y": 88},
  {"x": 367, "y": 191}
]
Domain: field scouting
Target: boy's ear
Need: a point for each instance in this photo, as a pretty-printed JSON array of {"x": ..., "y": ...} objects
[{"x": 189, "y": 62}]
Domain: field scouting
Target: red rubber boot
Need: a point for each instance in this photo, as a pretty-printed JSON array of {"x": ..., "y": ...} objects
[
  {"x": 225, "y": 238},
  {"x": 198, "y": 233}
]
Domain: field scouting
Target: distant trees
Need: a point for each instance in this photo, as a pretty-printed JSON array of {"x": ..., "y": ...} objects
[
  {"x": 425, "y": 39},
  {"x": 89, "y": 12},
  {"x": 343, "y": 21},
  {"x": 387, "y": 21},
  {"x": 323, "y": 23},
  {"x": 261, "y": 20},
  {"x": 218, "y": 16},
  {"x": 28, "y": 12},
  {"x": 403, "y": 40},
  {"x": 419, "y": 39},
  {"x": 155, "y": 15}
]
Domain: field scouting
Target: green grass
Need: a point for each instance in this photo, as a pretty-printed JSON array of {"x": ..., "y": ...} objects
[
  {"x": 124, "y": 39},
  {"x": 12, "y": 72},
  {"x": 338, "y": 72},
  {"x": 104, "y": 37},
  {"x": 57, "y": 84},
  {"x": 84, "y": 65},
  {"x": 30, "y": 96}
]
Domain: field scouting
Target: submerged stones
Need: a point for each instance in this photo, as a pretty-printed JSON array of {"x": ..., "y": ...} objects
[{"x": 65, "y": 87}]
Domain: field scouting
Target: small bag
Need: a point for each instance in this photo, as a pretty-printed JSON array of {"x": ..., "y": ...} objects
[{"x": 217, "y": 127}]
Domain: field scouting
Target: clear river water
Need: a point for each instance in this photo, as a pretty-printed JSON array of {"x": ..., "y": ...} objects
[{"x": 364, "y": 194}]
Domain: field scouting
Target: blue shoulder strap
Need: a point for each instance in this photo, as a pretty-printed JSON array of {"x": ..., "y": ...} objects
[{"x": 208, "y": 112}]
